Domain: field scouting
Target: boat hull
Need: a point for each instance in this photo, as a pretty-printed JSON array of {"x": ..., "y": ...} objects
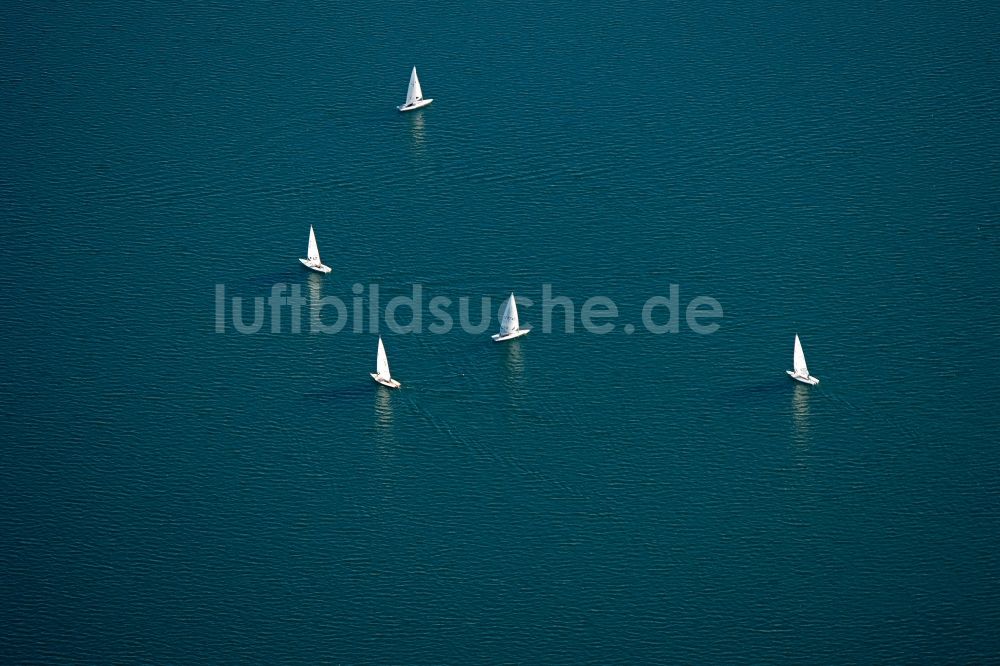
[
  {"x": 319, "y": 268},
  {"x": 497, "y": 337},
  {"x": 390, "y": 383},
  {"x": 808, "y": 379},
  {"x": 416, "y": 105}
]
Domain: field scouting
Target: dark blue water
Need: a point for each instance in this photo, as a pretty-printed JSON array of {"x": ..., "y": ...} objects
[{"x": 170, "y": 494}]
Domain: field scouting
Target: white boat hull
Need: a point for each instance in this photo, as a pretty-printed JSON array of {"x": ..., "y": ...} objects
[
  {"x": 499, "y": 337},
  {"x": 415, "y": 105},
  {"x": 319, "y": 268},
  {"x": 391, "y": 383},
  {"x": 806, "y": 379}
]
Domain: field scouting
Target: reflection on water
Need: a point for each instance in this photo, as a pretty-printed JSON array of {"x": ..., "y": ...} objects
[
  {"x": 417, "y": 129},
  {"x": 315, "y": 286},
  {"x": 800, "y": 413},
  {"x": 384, "y": 432},
  {"x": 514, "y": 359},
  {"x": 513, "y": 370}
]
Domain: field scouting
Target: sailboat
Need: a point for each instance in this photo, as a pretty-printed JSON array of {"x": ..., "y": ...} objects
[
  {"x": 800, "y": 372},
  {"x": 312, "y": 255},
  {"x": 414, "y": 95},
  {"x": 510, "y": 327},
  {"x": 381, "y": 374}
]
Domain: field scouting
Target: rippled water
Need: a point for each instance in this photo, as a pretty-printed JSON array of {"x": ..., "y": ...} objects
[{"x": 174, "y": 494}]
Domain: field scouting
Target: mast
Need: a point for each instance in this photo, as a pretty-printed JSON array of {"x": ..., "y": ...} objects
[
  {"x": 413, "y": 92},
  {"x": 313, "y": 252},
  {"x": 799, "y": 359},
  {"x": 382, "y": 362},
  {"x": 509, "y": 323}
]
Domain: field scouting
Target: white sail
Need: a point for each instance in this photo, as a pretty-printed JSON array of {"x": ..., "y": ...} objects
[
  {"x": 312, "y": 260},
  {"x": 414, "y": 93},
  {"x": 509, "y": 322},
  {"x": 799, "y": 359},
  {"x": 312, "y": 254},
  {"x": 381, "y": 362}
]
